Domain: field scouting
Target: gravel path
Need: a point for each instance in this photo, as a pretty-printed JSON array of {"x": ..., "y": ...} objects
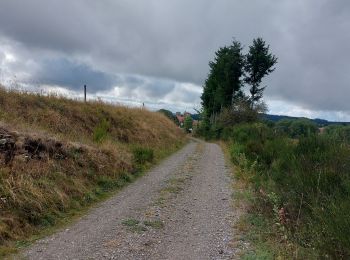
[{"x": 179, "y": 210}]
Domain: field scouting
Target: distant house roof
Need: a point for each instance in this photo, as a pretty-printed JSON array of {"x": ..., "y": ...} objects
[{"x": 180, "y": 118}]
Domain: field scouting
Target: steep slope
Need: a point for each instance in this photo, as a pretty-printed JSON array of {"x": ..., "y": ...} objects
[{"x": 59, "y": 155}]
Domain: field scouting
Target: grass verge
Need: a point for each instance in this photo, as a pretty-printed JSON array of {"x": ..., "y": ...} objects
[
  {"x": 299, "y": 190},
  {"x": 257, "y": 234}
]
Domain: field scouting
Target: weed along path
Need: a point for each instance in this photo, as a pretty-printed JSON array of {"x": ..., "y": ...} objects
[{"x": 179, "y": 210}]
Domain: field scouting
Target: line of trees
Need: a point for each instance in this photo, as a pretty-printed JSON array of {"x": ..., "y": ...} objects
[{"x": 230, "y": 72}]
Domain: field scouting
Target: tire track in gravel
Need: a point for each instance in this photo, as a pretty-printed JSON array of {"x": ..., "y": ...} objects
[{"x": 179, "y": 210}]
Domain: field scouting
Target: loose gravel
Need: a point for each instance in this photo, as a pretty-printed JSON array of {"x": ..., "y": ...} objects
[{"x": 179, "y": 210}]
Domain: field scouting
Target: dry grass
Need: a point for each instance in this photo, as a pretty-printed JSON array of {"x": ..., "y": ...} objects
[
  {"x": 78, "y": 121},
  {"x": 67, "y": 154}
]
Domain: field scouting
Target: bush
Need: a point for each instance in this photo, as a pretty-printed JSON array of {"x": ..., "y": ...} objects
[
  {"x": 188, "y": 124},
  {"x": 309, "y": 177},
  {"x": 296, "y": 128},
  {"x": 143, "y": 155},
  {"x": 340, "y": 133},
  {"x": 101, "y": 131}
]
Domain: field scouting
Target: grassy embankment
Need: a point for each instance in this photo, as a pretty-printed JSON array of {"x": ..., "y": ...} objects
[
  {"x": 297, "y": 188},
  {"x": 58, "y": 156}
]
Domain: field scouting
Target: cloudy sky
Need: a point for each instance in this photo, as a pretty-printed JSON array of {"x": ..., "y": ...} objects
[{"x": 157, "y": 51}]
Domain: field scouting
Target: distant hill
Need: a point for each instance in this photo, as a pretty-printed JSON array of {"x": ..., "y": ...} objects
[
  {"x": 320, "y": 122},
  {"x": 276, "y": 118}
]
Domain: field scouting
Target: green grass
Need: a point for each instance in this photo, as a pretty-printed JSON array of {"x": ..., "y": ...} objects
[
  {"x": 134, "y": 225},
  {"x": 143, "y": 155},
  {"x": 101, "y": 131},
  {"x": 302, "y": 191},
  {"x": 131, "y": 222},
  {"x": 265, "y": 238},
  {"x": 172, "y": 189},
  {"x": 50, "y": 224},
  {"x": 157, "y": 224}
]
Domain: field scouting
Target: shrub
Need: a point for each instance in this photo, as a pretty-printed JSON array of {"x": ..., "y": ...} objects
[
  {"x": 296, "y": 128},
  {"x": 188, "y": 124},
  {"x": 101, "y": 131},
  {"x": 143, "y": 155},
  {"x": 338, "y": 132},
  {"x": 309, "y": 178}
]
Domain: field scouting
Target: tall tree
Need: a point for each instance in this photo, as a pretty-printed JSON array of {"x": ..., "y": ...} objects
[
  {"x": 224, "y": 79},
  {"x": 259, "y": 63}
]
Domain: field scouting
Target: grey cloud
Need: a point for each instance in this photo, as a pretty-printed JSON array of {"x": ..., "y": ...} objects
[
  {"x": 172, "y": 39},
  {"x": 313, "y": 58},
  {"x": 147, "y": 88},
  {"x": 159, "y": 88},
  {"x": 185, "y": 95},
  {"x": 134, "y": 80},
  {"x": 137, "y": 44},
  {"x": 65, "y": 73},
  {"x": 54, "y": 25}
]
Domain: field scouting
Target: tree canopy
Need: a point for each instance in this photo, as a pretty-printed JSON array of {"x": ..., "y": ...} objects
[
  {"x": 259, "y": 63},
  {"x": 230, "y": 71},
  {"x": 188, "y": 122},
  {"x": 224, "y": 79}
]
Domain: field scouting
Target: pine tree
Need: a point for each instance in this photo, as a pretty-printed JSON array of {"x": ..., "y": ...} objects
[
  {"x": 224, "y": 80},
  {"x": 259, "y": 63}
]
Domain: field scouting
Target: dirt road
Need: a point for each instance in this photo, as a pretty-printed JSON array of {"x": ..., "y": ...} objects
[{"x": 179, "y": 210}]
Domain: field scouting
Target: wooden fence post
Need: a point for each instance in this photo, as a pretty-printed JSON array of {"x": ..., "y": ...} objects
[{"x": 84, "y": 93}]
